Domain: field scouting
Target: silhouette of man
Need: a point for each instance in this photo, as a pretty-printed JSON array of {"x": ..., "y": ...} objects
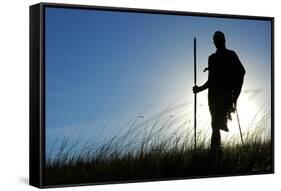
[{"x": 224, "y": 84}]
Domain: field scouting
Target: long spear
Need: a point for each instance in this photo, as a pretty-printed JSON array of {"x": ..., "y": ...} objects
[{"x": 195, "y": 95}]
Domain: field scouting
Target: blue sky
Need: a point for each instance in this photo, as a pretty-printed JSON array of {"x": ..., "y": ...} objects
[{"x": 106, "y": 67}]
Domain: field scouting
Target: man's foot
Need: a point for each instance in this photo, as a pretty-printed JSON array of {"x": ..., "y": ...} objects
[
  {"x": 228, "y": 116},
  {"x": 224, "y": 128}
]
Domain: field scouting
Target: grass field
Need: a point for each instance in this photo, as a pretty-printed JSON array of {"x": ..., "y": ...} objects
[
  {"x": 157, "y": 153},
  {"x": 177, "y": 162}
]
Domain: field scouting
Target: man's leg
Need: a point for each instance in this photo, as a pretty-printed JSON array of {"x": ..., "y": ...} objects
[
  {"x": 216, "y": 153},
  {"x": 216, "y": 136}
]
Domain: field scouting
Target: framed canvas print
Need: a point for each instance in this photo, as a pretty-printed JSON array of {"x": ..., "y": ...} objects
[{"x": 129, "y": 95}]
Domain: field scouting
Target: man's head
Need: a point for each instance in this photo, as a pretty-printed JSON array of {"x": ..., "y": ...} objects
[{"x": 219, "y": 40}]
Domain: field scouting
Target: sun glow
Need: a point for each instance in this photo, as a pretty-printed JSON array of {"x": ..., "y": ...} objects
[
  {"x": 246, "y": 111},
  {"x": 250, "y": 113}
]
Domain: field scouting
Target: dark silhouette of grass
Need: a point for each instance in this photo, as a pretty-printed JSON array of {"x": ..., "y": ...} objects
[
  {"x": 158, "y": 148},
  {"x": 175, "y": 162},
  {"x": 157, "y": 153}
]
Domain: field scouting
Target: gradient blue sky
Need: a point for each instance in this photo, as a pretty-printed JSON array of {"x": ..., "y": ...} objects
[{"x": 105, "y": 67}]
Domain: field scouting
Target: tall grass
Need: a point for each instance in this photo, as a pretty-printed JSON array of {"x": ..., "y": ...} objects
[{"x": 160, "y": 149}]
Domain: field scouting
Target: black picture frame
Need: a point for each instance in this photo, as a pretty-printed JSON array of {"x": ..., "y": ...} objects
[{"x": 37, "y": 87}]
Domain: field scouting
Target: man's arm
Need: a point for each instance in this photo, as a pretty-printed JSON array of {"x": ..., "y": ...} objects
[{"x": 197, "y": 89}]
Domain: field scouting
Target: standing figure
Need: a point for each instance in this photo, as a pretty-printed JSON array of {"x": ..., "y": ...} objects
[{"x": 225, "y": 80}]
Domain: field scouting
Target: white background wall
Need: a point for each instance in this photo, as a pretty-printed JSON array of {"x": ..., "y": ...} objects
[{"x": 14, "y": 88}]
